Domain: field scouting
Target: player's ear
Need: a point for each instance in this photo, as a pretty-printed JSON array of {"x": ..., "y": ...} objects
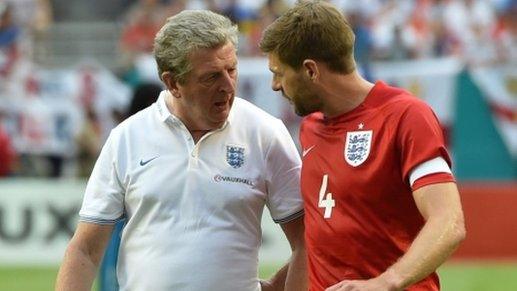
[
  {"x": 311, "y": 70},
  {"x": 171, "y": 83}
]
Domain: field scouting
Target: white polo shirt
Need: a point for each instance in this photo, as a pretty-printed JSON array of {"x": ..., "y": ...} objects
[{"x": 193, "y": 210}]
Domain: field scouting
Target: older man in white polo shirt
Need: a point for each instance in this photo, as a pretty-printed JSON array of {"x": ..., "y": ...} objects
[{"x": 191, "y": 175}]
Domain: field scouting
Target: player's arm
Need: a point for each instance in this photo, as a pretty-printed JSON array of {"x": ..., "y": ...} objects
[
  {"x": 443, "y": 230},
  {"x": 83, "y": 256},
  {"x": 292, "y": 276}
]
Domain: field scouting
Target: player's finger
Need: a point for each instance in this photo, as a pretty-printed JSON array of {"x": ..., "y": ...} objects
[{"x": 334, "y": 287}]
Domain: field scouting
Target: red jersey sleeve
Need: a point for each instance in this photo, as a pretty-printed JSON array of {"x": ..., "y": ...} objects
[
  {"x": 432, "y": 179},
  {"x": 419, "y": 137}
]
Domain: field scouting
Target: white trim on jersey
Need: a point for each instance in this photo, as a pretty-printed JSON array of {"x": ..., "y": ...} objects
[{"x": 436, "y": 165}]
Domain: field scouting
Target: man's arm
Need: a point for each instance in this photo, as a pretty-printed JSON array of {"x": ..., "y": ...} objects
[
  {"x": 292, "y": 276},
  {"x": 443, "y": 231},
  {"x": 83, "y": 256}
]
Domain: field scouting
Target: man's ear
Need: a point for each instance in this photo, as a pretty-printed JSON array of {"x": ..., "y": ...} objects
[
  {"x": 171, "y": 84},
  {"x": 311, "y": 69}
]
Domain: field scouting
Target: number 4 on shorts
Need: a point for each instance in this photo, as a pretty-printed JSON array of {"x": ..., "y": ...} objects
[{"x": 328, "y": 203}]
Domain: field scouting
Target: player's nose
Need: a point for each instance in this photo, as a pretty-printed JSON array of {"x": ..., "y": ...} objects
[{"x": 275, "y": 85}]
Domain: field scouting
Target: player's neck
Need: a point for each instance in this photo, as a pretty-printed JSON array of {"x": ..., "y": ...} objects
[{"x": 343, "y": 93}]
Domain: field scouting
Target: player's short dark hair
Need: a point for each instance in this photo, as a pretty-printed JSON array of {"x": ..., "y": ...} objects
[{"x": 311, "y": 30}]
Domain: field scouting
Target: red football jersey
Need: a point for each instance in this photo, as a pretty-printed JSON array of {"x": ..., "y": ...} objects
[{"x": 360, "y": 214}]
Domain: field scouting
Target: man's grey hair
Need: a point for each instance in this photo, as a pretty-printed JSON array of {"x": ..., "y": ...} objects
[{"x": 186, "y": 32}]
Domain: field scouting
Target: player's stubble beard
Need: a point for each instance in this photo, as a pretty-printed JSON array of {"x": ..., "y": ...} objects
[{"x": 304, "y": 101}]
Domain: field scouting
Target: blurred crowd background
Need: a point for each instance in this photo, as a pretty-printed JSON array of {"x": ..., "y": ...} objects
[{"x": 70, "y": 70}]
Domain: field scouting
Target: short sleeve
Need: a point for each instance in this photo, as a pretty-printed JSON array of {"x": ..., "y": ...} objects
[
  {"x": 419, "y": 138},
  {"x": 283, "y": 166},
  {"x": 103, "y": 201}
]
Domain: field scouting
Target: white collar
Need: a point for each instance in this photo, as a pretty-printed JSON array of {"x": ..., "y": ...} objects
[{"x": 164, "y": 114}]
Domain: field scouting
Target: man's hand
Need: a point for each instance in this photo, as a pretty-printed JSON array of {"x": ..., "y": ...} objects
[{"x": 375, "y": 284}]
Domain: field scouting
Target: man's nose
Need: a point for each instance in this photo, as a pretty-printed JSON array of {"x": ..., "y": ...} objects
[{"x": 228, "y": 83}]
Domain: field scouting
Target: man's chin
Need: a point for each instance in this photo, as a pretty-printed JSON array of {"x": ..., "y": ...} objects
[
  {"x": 219, "y": 120},
  {"x": 302, "y": 111}
]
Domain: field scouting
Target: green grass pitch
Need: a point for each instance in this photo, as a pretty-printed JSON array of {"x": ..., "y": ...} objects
[{"x": 454, "y": 277}]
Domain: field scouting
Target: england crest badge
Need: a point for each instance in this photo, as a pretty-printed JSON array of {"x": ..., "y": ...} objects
[
  {"x": 357, "y": 147},
  {"x": 235, "y": 156}
]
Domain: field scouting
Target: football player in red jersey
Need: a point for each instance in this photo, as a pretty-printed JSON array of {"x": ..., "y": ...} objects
[{"x": 382, "y": 210}]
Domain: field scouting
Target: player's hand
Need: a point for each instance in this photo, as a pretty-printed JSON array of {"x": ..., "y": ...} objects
[{"x": 375, "y": 284}]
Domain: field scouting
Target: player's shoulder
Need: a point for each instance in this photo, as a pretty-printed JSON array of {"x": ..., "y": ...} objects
[
  {"x": 410, "y": 104},
  {"x": 401, "y": 101}
]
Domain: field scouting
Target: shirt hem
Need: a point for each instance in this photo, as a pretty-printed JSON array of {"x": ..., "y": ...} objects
[
  {"x": 96, "y": 220},
  {"x": 289, "y": 218}
]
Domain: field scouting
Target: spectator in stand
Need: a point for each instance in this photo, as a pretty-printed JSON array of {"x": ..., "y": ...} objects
[
  {"x": 34, "y": 16},
  {"x": 174, "y": 7},
  {"x": 270, "y": 10},
  {"x": 245, "y": 18},
  {"x": 419, "y": 29},
  {"x": 7, "y": 154},
  {"x": 505, "y": 35},
  {"x": 143, "y": 96},
  {"x": 444, "y": 41},
  {"x": 9, "y": 38},
  {"x": 89, "y": 143},
  {"x": 363, "y": 42},
  {"x": 388, "y": 30},
  {"x": 236, "y": 12},
  {"x": 143, "y": 21},
  {"x": 471, "y": 23}
]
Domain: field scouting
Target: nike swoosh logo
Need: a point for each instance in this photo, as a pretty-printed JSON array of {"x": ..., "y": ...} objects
[
  {"x": 306, "y": 151},
  {"x": 142, "y": 163}
]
